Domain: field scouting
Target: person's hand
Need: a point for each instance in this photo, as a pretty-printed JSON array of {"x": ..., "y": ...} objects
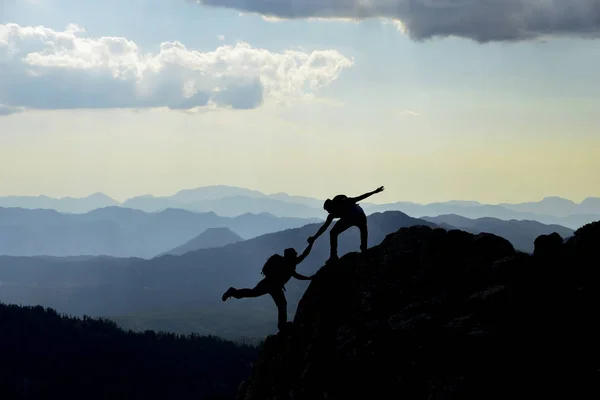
[{"x": 379, "y": 189}]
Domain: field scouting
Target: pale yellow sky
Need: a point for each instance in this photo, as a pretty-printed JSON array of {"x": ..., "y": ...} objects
[
  {"x": 314, "y": 149},
  {"x": 433, "y": 120}
]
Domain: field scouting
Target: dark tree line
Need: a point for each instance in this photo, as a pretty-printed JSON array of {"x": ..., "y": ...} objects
[{"x": 47, "y": 355}]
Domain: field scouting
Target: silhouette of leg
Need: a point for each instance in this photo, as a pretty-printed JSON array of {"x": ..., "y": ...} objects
[
  {"x": 281, "y": 303},
  {"x": 339, "y": 227},
  {"x": 260, "y": 289},
  {"x": 364, "y": 233}
]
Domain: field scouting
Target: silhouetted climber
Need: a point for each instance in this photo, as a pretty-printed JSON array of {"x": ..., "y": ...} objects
[
  {"x": 278, "y": 271},
  {"x": 349, "y": 214}
]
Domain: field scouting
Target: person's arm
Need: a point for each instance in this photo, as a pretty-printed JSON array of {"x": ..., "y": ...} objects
[
  {"x": 304, "y": 254},
  {"x": 322, "y": 229},
  {"x": 301, "y": 277},
  {"x": 364, "y": 196}
]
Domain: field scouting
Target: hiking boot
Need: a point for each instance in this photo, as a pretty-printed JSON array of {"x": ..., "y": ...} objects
[{"x": 227, "y": 294}]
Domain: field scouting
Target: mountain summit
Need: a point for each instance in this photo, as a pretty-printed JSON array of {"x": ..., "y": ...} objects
[
  {"x": 210, "y": 238},
  {"x": 436, "y": 314}
]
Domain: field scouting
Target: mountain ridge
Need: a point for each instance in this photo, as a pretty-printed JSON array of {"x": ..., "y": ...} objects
[
  {"x": 210, "y": 238},
  {"x": 196, "y": 279},
  {"x": 237, "y": 200},
  {"x": 520, "y": 233},
  {"x": 119, "y": 231}
]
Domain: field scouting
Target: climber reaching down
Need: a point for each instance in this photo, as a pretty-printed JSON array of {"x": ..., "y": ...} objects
[{"x": 350, "y": 214}]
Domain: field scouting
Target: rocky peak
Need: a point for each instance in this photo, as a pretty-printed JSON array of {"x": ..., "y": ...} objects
[{"x": 434, "y": 314}]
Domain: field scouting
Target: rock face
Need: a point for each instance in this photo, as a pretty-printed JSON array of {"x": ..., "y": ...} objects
[{"x": 433, "y": 315}]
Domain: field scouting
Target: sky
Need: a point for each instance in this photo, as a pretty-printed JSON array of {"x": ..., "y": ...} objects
[{"x": 486, "y": 100}]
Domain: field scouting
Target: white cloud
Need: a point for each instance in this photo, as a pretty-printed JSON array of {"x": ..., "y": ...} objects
[
  {"x": 221, "y": 37},
  {"x": 44, "y": 68}
]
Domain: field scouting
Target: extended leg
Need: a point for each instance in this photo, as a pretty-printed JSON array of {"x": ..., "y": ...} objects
[
  {"x": 260, "y": 289},
  {"x": 364, "y": 233},
  {"x": 281, "y": 303}
]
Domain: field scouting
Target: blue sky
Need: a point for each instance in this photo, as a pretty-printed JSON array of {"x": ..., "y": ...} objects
[{"x": 467, "y": 115}]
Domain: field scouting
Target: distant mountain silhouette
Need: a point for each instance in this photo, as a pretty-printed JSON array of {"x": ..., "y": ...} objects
[
  {"x": 521, "y": 234},
  {"x": 550, "y": 206},
  {"x": 468, "y": 210},
  {"x": 178, "y": 284},
  {"x": 234, "y": 201},
  {"x": 235, "y": 205},
  {"x": 590, "y": 205},
  {"x": 307, "y": 201},
  {"x": 149, "y": 203},
  {"x": 122, "y": 232},
  {"x": 212, "y": 237},
  {"x": 231, "y": 201},
  {"x": 64, "y": 204},
  {"x": 213, "y": 192},
  {"x": 435, "y": 314}
]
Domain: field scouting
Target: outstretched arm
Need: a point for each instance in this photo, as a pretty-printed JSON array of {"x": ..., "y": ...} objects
[
  {"x": 304, "y": 254},
  {"x": 322, "y": 229},
  {"x": 301, "y": 277},
  {"x": 364, "y": 196}
]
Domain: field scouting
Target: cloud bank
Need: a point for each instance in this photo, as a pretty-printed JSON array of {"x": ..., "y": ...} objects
[
  {"x": 479, "y": 20},
  {"x": 41, "y": 68}
]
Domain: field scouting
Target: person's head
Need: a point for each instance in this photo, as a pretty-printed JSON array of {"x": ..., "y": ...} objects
[
  {"x": 327, "y": 205},
  {"x": 290, "y": 253}
]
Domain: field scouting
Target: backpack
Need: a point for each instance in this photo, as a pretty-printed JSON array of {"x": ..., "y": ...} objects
[{"x": 273, "y": 267}]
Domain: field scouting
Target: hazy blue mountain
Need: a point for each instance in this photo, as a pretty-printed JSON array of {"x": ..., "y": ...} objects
[
  {"x": 149, "y": 203},
  {"x": 212, "y": 237},
  {"x": 556, "y": 206},
  {"x": 236, "y": 205},
  {"x": 122, "y": 232},
  {"x": 233, "y": 201},
  {"x": 213, "y": 192},
  {"x": 64, "y": 204},
  {"x": 573, "y": 221},
  {"x": 521, "y": 234},
  {"x": 590, "y": 205},
  {"x": 307, "y": 201},
  {"x": 229, "y": 206},
  {"x": 178, "y": 285}
]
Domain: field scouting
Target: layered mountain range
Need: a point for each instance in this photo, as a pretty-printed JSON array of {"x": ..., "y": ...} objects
[{"x": 231, "y": 201}]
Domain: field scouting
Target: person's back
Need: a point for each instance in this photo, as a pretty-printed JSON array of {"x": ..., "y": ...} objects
[
  {"x": 342, "y": 206},
  {"x": 279, "y": 270}
]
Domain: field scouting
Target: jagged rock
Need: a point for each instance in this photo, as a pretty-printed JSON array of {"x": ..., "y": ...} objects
[{"x": 430, "y": 314}]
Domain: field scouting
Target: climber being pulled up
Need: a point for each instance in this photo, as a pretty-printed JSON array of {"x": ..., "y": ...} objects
[
  {"x": 278, "y": 270},
  {"x": 350, "y": 214}
]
